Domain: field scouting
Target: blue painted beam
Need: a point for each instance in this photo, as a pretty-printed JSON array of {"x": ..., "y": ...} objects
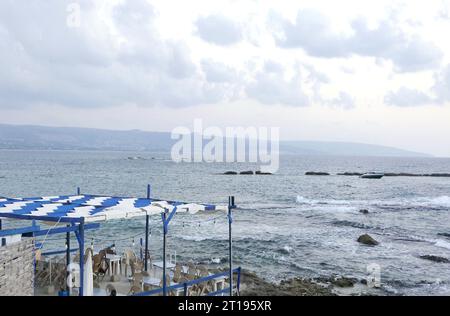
[
  {"x": 58, "y": 252},
  {"x": 42, "y": 218},
  {"x": 19, "y": 231},
  {"x": 60, "y": 230}
]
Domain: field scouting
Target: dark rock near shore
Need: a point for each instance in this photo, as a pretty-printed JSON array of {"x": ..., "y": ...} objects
[
  {"x": 364, "y": 211},
  {"x": 435, "y": 259},
  {"x": 350, "y": 174},
  {"x": 344, "y": 282},
  {"x": 246, "y": 172},
  {"x": 444, "y": 235},
  {"x": 252, "y": 285},
  {"x": 311, "y": 173},
  {"x": 262, "y": 173},
  {"x": 367, "y": 240},
  {"x": 230, "y": 173}
]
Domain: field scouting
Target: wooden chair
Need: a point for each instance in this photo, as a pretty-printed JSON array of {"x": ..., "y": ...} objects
[{"x": 137, "y": 284}]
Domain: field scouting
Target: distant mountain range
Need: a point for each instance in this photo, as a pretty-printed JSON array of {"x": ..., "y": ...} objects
[{"x": 70, "y": 138}]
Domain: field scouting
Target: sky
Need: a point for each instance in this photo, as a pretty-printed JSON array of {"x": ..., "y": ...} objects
[{"x": 362, "y": 71}]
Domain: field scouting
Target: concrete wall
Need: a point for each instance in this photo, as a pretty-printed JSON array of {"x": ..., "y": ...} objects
[{"x": 17, "y": 268}]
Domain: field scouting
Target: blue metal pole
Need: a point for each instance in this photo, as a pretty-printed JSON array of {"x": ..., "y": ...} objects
[
  {"x": 147, "y": 220},
  {"x": 230, "y": 241},
  {"x": 81, "y": 242},
  {"x": 67, "y": 255},
  {"x": 164, "y": 253}
]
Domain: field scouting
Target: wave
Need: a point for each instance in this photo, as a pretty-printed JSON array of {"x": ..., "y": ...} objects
[
  {"x": 442, "y": 244},
  {"x": 439, "y": 201}
]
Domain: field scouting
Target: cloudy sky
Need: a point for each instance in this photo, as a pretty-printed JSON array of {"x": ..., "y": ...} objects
[{"x": 366, "y": 71}]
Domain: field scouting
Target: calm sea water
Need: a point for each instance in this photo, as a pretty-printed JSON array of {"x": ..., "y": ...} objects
[{"x": 288, "y": 224}]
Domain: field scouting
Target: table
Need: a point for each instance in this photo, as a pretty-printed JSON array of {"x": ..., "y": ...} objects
[
  {"x": 114, "y": 263},
  {"x": 159, "y": 264},
  {"x": 219, "y": 281}
]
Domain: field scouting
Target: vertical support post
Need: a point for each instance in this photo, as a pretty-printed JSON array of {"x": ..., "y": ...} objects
[
  {"x": 149, "y": 188},
  {"x": 78, "y": 191},
  {"x": 0, "y": 224},
  {"x": 164, "y": 253},
  {"x": 230, "y": 241},
  {"x": 140, "y": 249},
  {"x": 147, "y": 220},
  {"x": 81, "y": 242},
  {"x": 68, "y": 256}
]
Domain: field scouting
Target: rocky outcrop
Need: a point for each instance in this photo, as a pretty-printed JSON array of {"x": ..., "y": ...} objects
[
  {"x": 435, "y": 259},
  {"x": 367, "y": 240},
  {"x": 230, "y": 173},
  {"x": 350, "y": 174},
  {"x": 364, "y": 211},
  {"x": 312, "y": 173},
  {"x": 262, "y": 173},
  {"x": 246, "y": 172},
  {"x": 444, "y": 235},
  {"x": 344, "y": 282},
  {"x": 252, "y": 285}
]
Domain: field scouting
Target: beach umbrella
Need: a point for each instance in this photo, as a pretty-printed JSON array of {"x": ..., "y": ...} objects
[{"x": 88, "y": 274}]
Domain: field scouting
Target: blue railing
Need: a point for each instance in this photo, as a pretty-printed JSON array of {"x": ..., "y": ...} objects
[{"x": 186, "y": 285}]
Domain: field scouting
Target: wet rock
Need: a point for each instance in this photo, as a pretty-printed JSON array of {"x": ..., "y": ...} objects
[
  {"x": 444, "y": 235},
  {"x": 262, "y": 173},
  {"x": 435, "y": 259},
  {"x": 246, "y": 172},
  {"x": 252, "y": 285},
  {"x": 229, "y": 173},
  {"x": 364, "y": 211},
  {"x": 350, "y": 174},
  {"x": 351, "y": 224},
  {"x": 344, "y": 282},
  {"x": 367, "y": 240},
  {"x": 312, "y": 173}
]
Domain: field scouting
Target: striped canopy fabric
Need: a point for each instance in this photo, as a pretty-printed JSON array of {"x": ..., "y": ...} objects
[{"x": 93, "y": 208}]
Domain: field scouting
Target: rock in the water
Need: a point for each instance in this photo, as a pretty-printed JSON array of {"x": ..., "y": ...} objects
[
  {"x": 246, "y": 172},
  {"x": 312, "y": 173},
  {"x": 350, "y": 174},
  {"x": 343, "y": 282},
  {"x": 435, "y": 259},
  {"x": 367, "y": 240},
  {"x": 230, "y": 173},
  {"x": 444, "y": 235},
  {"x": 364, "y": 211},
  {"x": 262, "y": 173}
]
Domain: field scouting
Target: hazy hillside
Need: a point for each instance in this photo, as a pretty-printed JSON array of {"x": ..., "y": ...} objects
[{"x": 65, "y": 138}]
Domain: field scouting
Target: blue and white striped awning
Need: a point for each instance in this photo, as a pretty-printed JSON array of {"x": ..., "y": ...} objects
[{"x": 93, "y": 208}]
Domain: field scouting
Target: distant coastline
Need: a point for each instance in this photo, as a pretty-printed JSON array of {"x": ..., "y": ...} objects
[{"x": 29, "y": 137}]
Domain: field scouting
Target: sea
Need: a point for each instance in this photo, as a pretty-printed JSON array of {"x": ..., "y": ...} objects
[{"x": 286, "y": 225}]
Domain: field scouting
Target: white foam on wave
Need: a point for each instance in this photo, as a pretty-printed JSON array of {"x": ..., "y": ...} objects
[
  {"x": 439, "y": 201},
  {"x": 442, "y": 244}
]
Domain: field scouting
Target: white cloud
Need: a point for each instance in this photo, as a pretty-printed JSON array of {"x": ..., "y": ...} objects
[
  {"x": 219, "y": 30},
  {"x": 313, "y": 32},
  {"x": 406, "y": 97}
]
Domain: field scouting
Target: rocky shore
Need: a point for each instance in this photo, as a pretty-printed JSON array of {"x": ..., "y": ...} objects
[{"x": 387, "y": 174}]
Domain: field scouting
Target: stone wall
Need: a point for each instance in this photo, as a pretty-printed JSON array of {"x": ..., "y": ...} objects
[{"x": 17, "y": 269}]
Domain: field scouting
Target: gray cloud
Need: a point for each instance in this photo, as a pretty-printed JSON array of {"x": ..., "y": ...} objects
[
  {"x": 270, "y": 87},
  {"x": 43, "y": 61},
  {"x": 442, "y": 85},
  {"x": 219, "y": 30},
  {"x": 405, "y": 97},
  {"x": 312, "y": 31},
  {"x": 344, "y": 100}
]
